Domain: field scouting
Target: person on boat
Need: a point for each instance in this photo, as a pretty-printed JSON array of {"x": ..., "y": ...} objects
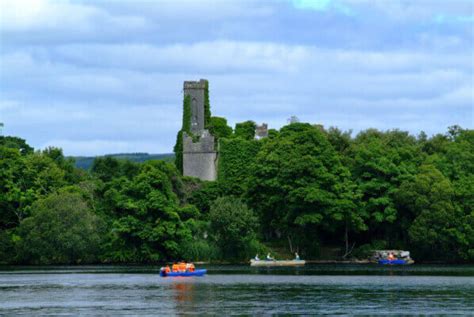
[
  {"x": 269, "y": 258},
  {"x": 175, "y": 267},
  {"x": 391, "y": 257},
  {"x": 182, "y": 266},
  {"x": 167, "y": 269},
  {"x": 297, "y": 257},
  {"x": 191, "y": 267},
  {"x": 257, "y": 258}
]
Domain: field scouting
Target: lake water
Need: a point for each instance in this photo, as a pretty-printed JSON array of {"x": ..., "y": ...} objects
[{"x": 227, "y": 290}]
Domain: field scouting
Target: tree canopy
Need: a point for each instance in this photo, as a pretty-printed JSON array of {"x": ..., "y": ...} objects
[
  {"x": 61, "y": 229},
  {"x": 303, "y": 188}
]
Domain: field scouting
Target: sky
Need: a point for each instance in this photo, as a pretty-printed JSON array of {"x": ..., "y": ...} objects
[{"x": 99, "y": 77}]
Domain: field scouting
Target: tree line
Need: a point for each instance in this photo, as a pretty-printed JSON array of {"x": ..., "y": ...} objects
[{"x": 303, "y": 188}]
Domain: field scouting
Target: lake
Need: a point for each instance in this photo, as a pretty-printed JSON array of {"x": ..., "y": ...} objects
[{"x": 227, "y": 290}]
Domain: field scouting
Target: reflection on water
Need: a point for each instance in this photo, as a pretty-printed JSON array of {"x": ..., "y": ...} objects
[
  {"x": 183, "y": 291},
  {"x": 236, "y": 289}
]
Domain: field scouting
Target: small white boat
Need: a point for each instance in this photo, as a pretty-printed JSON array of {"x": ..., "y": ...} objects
[{"x": 254, "y": 262}]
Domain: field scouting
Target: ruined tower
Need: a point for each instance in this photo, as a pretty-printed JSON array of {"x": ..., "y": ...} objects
[
  {"x": 199, "y": 152},
  {"x": 195, "y": 90}
]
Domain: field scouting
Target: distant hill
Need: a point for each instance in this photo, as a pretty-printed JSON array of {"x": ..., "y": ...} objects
[{"x": 85, "y": 162}]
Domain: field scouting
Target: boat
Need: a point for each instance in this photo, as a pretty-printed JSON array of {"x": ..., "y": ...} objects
[
  {"x": 199, "y": 272},
  {"x": 393, "y": 262},
  {"x": 254, "y": 262},
  {"x": 398, "y": 257}
]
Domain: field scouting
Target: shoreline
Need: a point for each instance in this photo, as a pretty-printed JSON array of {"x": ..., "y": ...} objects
[{"x": 324, "y": 262}]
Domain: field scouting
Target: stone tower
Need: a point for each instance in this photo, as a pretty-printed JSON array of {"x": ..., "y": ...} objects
[
  {"x": 195, "y": 90},
  {"x": 199, "y": 151}
]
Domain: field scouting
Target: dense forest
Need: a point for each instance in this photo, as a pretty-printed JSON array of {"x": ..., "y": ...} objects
[{"x": 321, "y": 192}]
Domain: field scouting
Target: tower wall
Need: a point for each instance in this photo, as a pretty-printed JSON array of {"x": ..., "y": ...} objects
[
  {"x": 195, "y": 90},
  {"x": 199, "y": 155},
  {"x": 200, "y": 158}
]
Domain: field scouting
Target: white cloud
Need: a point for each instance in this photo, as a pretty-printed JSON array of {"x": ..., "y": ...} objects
[
  {"x": 24, "y": 15},
  {"x": 259, "y": 80},
  {"x": 320, "y": 5},
  {"x": 215, "y": 56},
  {"x": 191, "y": 10},
  {"x": 117, "y": 68},
  {"x": 7, "y": 104},
  {"x": 98, "y": 77},
  {"x": 35, "y": 15},
  {"x": 460, "y": 96},
  {"x": 420, "y": 10},
  {"x": 241, "y": 56},
  {"x": 323, "y": 5}
]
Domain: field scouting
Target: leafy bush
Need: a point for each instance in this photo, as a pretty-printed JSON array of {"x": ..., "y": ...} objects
[
  {"x": 366, "y": 250},
  {"x": 200, "y": 250},
  {"x": 62, "y": 229},
  {"x": 219, "y": 128},
  {"x": 233, "y": 227},
  {"x": 245, "y": 130},
  {"x": 236, "y": 157},
  {"x": 147, "y": 221},
  {"x": 7, "y": 247}
]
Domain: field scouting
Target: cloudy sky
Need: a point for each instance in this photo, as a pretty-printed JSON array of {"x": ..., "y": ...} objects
[{"x": 96, "y": 77}]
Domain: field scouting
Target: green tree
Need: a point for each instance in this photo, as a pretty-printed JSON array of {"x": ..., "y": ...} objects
[
  {"x": 236, "y": 157},
  {"x": 202, "y": 193},
  {"x": 218, "y": 128},
  {"x": 245, "y": 130},
  {"x": 25, "y": 178},
  {"x": 61, "y": 230},
  {"x": 464, "y": 204},
  {"x": 148, "y": 224},
  {"x": 233, "y": 227},
  {"x": 107, "y": 168},
  {"x": 434, "y": 145},
  {"x": 72, "y": 174},
  {"x": 341, "y": 141},
  {"x": 379, "y": 163},
  {"x": 42, "y": 175},
  {"x": 299, "y": 188},
  {"x": 435, "y": 231},
  {"x": 7, "y": 247},
  {"x": 16, "y": 143},
  {"x": 458, "y": 158},
  {"x": 464, "y": 193},
  {"x": 12, "y": 167}
]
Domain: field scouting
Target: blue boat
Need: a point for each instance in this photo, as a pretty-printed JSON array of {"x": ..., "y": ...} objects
[
  {"x": 200, "y": 272},
  {"x": 393, "y": 262},
  {"x": 391, "y": 257}
]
